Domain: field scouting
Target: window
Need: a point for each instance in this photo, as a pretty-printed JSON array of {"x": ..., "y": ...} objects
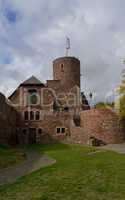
[
  {"x": 62, "y": 67},
  {"x": 63, "y": 130},
  {"x": 26, "y": 115},
  {"x": 24, "y": 131},
  {"x": 66, "y": 109},
  {"x": 37, "y": 115},
  {"x": 60, "y": 130},
  {"x": 32, "y": 97},
  {"x": 31, "y": 115},
  {"x": 39, "y": 131}
]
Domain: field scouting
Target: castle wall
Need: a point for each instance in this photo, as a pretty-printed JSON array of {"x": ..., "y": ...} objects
[
  {"x": 7, "y": 122},
  {"x": 102, "y": 124}
]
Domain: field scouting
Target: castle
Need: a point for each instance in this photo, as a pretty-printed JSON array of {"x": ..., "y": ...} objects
[{"x": 56, "y": 111}]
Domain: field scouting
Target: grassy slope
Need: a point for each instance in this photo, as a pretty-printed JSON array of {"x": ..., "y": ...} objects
[
  {"x": 9, "y": 157},
  {"x": 75, "y": 176}
]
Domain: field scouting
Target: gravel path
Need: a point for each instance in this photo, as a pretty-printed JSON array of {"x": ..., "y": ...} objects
[
  {"x": 119, "y": 148},
  {"x": 33, "y": 162}
]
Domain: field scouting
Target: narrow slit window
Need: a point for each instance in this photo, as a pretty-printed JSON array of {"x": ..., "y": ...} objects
[
  {"x": 62, "y": 67},
  {"x": 58, "y": 130},
  {"x": 26, "y": 115}
]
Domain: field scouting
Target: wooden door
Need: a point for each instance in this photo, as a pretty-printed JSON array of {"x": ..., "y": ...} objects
[{"x": 32, "y": 135}]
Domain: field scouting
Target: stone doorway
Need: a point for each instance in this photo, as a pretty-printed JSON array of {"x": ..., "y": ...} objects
[
  {"x": 32, "y": 135},
  {"x": 93, "y": 141}
]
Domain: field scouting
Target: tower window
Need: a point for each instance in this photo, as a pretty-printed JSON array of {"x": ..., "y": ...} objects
[{"x": 62, "y": 67}]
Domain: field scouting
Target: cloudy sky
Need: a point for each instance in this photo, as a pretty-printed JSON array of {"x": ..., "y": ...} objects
[{"x": 33, "y": 33}]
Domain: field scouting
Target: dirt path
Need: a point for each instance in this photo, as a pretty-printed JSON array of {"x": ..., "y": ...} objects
[
  {"x": 95, "y": 152},
  {"x": 33, "y": 162}
]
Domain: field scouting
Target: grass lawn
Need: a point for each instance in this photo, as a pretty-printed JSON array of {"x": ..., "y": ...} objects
[
  {"x": 76, "y": 176},
  {"x": 9, "y": 157}
]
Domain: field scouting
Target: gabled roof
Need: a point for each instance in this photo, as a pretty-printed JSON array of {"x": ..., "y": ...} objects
[{"x": 32, "y": 81}]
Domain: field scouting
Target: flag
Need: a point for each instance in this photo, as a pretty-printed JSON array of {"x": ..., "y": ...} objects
[{"x": 67, "y": 43}]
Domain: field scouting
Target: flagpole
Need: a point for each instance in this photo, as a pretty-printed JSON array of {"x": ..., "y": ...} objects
[
  {"x": 67, "y": 46},
  {"x": 66, "y": 52}
]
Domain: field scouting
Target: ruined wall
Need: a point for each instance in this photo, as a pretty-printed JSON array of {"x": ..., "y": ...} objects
[
  {"x": 7, "y": 122},
  {"x": 102, "y": 124}
]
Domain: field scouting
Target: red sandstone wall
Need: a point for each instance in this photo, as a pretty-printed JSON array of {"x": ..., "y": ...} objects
[
  {"x": 78, "y": 136},
  {"x": 7, "y": 122},
  {"x": 67, "y": 69},
  {"x": 48, "y": 124},
  {"x": 102, "y": 124}
]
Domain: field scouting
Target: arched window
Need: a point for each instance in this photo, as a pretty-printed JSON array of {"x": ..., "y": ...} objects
[
  {"x": 32, "y": 97},
  {"x": 26, "y": 117},
  {"x": 37, "y": 115},
  {"x": 31, "y": 115}
]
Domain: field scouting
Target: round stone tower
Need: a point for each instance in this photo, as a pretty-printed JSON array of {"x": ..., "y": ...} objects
[{"x": 67, "y": 70}]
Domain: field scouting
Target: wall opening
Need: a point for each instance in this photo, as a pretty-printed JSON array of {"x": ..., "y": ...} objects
[
  {"x": 31, "y": 115},
  {"x": 96, "y": 142},
  {"x": 37, "y": 115},
  {"x": 26, "y": 117},
  {"x": 60, "y": 130}
]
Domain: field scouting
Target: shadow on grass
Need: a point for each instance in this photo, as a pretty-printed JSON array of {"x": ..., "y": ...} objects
[
  {"x": 46, "y": 147},
  {"x": 4, "y": 146}
]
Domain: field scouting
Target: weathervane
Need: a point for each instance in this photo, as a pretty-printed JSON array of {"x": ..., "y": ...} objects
[
  {"x": 123, "y": 71},
  {"x": 67, "y": 46}
]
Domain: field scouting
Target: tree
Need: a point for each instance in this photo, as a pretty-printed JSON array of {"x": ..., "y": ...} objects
[
  {"x": 104, "y": 105},
  {"x": 121, "y": 100}
]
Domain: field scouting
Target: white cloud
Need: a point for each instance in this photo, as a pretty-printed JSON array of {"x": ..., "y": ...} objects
[{"x": 97, "y": 33}]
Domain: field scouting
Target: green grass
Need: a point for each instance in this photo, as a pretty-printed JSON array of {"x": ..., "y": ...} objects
[
  {"x": 75, "y": 176},
  {"x": 9, "y": 156}
]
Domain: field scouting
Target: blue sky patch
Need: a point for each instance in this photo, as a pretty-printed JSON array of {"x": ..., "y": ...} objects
[
  {"x": 5, "y": 60},
  {"x": 11, "y": 15}
]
